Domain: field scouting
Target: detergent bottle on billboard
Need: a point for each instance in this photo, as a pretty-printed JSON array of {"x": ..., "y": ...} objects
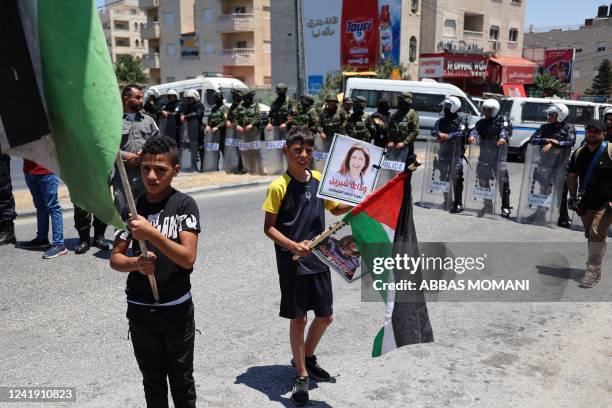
[{"x": 386, "y": 34}]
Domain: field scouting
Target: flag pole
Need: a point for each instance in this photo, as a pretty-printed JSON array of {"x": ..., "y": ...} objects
[
  {"x": 132, "y": 206},
  {"x": 322, "y": 236}
]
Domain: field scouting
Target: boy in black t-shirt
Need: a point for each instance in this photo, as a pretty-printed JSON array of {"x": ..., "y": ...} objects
[
  {"x": 294, "y": 216},
  {"x": 162, "y": 333}
]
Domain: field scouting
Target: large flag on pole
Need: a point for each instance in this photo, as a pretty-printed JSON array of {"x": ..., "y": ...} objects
[
  {"x": 61, "y": 106},
  {"x": 383, "y": 226}
]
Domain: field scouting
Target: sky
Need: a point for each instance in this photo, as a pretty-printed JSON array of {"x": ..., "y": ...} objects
[{"x": 544, "y": 13}]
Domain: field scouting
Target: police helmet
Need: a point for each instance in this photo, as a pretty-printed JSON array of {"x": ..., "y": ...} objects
[
  {"x": 172, "y": 92},
  {"x": 559, "y": 109},
  {"x": 406, "y": 97},
  {"x": 281, "y": 87},
  {"x": 152, "y": 92},
  {"x": 607, "y": 112},
  {"x": 451, "y": 102},
  {"x": 192, "y": 93},
  {"x": 492, "y": 105},
  {"x": 331, "y": 97}
]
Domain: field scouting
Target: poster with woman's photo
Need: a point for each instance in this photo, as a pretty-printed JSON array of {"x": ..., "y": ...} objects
[
  {"x": 340, "y": 253},
  {"x": 351, "y": 170}
]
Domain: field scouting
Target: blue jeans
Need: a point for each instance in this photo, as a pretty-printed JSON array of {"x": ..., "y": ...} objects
[{"x": 43, "y": 188}]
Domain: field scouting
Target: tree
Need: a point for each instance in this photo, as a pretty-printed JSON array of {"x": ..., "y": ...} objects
[
  {"x": 385, "y": 70},
  {"x": 602, "y": 83},
  {"x": 129, "y": 70},
  {"x": 549, "y": 85}
]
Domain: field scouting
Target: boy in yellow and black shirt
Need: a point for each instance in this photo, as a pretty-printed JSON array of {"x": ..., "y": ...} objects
[{"x": 294, "y": 216}]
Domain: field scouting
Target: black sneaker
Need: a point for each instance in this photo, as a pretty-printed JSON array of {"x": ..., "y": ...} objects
[
  {"x": 36, "y": 244},
  {"x": 299, "y": 396},
  {"x": 82, "y": 247},
  {"x": 315, "y": 370},
  {"x": 101, "y": 243}
]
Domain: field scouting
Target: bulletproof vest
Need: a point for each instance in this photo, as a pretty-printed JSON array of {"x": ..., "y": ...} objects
[
  {"x": 279, "y": 110},
  {"x": 331, "y": 121},
  {"x": 233, "y": 110},
  {"x": 400, "y": 125},
  {"x": 490, "y": 129},
  {"x": 193, "y": 107},
  {"x": 450, "y": 124},
  {"x": 558, "y": 131},
  {"x": 246, "y": 114},
  {"x": 357, "y": 126},
  {"x": 304, "y": 116},
  {"x": 216, "y": 115}
]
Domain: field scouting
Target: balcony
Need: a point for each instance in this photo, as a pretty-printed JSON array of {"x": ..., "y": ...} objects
[
  {"x": 238, "y": 56},
  {"x": 148, "y": 4},
  {"x": 237, "y": 22},
  {"x": 150, "y": 31},
  {"x": 472, "y": 34},
  {"x": 150, "y": 61}
]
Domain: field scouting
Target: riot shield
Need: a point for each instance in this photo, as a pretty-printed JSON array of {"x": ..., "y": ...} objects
[
  {"x": 484, "y": 173},
  {"x": 188, "y": 146},
  {"x": 393, "y": 163},
  {"x": 542, "y": 186},
  {"x": 442, "y": 162},
  {"x": 231, "y": 154},
  {"x": 167, "y": 127},
  {"x": 321, "y": 150},
  {"x": 250, "y": 151},
  {"x": 211, "y": 150},
  {"x": 274, "y": 161}
]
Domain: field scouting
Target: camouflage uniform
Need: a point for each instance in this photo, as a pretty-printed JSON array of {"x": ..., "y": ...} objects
[
  {"x": 307, "y": 114},
  {"x": 7, "y": 202},
  {"x": 248, "y": 112},
  {"x": 379, "y": 122},
  {"x": 358, "y": 125},
  {"x": 404, "y": 123},
  {"x": 237, "y": 95},
  {"x": 281, "y": 108},
  {"x": 332, "y": 119}
]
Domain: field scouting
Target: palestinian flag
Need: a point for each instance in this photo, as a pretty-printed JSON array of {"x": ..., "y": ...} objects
[
  {"x": 382, "y": 226},
  {"x": 61, "y": 106}
]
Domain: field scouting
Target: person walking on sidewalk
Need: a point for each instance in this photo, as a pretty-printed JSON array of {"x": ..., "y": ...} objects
[
  {"x": 43, "y": 185},
  {"x": 83, "y": 221},
  {"x": 590, "y": 186}
]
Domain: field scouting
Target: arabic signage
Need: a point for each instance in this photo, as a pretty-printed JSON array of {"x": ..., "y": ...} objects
[
  {"x": 452, "y": 65},
  {"x": 559, "y": 64},
  {"x": 431, "y": 67},
  {"x": 359, "y": 37}
]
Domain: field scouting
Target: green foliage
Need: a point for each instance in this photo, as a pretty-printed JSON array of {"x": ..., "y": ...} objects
[
  {"x": 129, "y": 70},
  {"x": 549, "y": 85},
  {"x": 385, "y": 70},
  {"x": 602, "y": 83}
]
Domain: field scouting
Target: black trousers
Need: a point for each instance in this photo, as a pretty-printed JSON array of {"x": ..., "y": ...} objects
[
  {"x": 163, "y": 340},
  {"x": 7, "y": 202},
  {"x": 83, "y": 223}
]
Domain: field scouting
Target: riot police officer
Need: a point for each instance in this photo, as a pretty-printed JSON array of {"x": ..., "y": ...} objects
[
  {"x": 247, "y": 115},
  {"x": 493, "y": 133},
  {"x": 557, "y": 138},
  {"x": 333, "y": 117},
  {"x": 172, "y": 111},
  {"x": 7, "y": 202},
  {"x": 449, "y": 131},
  {"x": 403, "y": 124},
  {"x": 191, "y": 116},
  {"x": 379, "y": 121},
  {"x": 236, "y": 101},
  {"x": 347, "y": 106},
  {"x": 306, "y": 114},
  {"x": 216, "y": 121},
  {"x": 357, "y": 124},
  {"x": 281, "y": 108},
  {"x": 153, "y": 107}
]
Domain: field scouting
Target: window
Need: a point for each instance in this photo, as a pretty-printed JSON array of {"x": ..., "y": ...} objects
[
  {"x": 505, "y": 107},
  {"x": 137, "y": 43},
  {"x": 534, "y": 112},
  {"x": 135, "y": 26},
  {"x": 241, "y": 44},
  {"x": 578, "y": 50},
  {"x": 414, "y": 6},
  {"x": 412, "y": 53},
  {"x": 171, "y": 50},
  {"x": 420, "y": 102},
  {"x": 516, "y": 2},
  {"x": 267, "y": 47},
  {"x": 513, "y": 35},
  {"x": 494, "y": 33},
  {"x": 601, "y": 46},
  {"x": 266, "y": 8},
  {"x": 122, "y": 42},
  {"x": 580, "y": 114},
  {"x": 450, "y": 28},
  {"x": 209, "y": 48},
  {"x": 240, "y": 10},
  {"x": 208, "y": 15},
  {"x": 473, "y": 22}
]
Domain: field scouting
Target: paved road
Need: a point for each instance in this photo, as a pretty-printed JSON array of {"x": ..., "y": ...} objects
[{"x": 63, "y": 323}]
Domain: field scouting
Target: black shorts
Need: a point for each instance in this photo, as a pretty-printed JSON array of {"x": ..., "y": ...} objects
[{"x": 301, "y": 293}]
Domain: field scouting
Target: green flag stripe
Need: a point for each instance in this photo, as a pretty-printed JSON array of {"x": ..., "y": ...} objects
[{"x": 378, "y": 342}]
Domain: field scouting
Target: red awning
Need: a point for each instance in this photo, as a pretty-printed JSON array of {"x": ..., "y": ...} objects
[{"x": 512, "y": 70}]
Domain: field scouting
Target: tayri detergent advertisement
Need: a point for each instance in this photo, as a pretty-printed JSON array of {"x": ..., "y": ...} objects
[{"x": 359, "y": 38}]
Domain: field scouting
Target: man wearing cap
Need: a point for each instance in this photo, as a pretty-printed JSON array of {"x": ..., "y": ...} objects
[
  {"x": 557, "y": 138},
  {"x": 379, "y": 121},
  {"x": 280, "y": 109},
  {"x": 247, "y": 115},
  {"x": 347, "y": 106},
  {"x": 217, "y": 119},
  {"x": 357, "y": 124},
  {"x": 237, "y": 95},
  {"x": 590, "y": 185},
  {"x": 306, "y": 114},
  {"x": 403, "y": 124},
  {"x": 332, "y": 117}
]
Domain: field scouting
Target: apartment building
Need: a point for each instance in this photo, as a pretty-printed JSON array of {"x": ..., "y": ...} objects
[
  {"x": 122, "y": 23},
  {"x": 591, "y": 41},
  {"x": 485, "y": 26}
]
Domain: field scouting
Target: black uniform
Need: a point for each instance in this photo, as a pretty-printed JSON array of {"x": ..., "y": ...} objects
[
  {"x": 450, "y": 156},
  {"x": 153, "y": 108},
  {"x": 173, "y": 126},
  {"x": 7, "y": 202}
]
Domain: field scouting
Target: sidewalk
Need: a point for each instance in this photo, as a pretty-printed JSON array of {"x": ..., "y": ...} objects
[{"x": 185, "y": 182}]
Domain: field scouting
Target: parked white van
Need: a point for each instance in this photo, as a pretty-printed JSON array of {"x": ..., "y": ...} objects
[
  {"x": 427, "y": 96},
  {"x": 206, "y": 87},
  {"x": 527, "y": 114}
]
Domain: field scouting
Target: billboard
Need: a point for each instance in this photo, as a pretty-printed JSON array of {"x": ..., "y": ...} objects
[
  {"x": 348, "y": 33},
  {"x": 559, "y": 63}
]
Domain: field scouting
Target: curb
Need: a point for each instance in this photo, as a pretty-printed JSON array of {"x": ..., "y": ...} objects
[{"x": 30, "y": 213}]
